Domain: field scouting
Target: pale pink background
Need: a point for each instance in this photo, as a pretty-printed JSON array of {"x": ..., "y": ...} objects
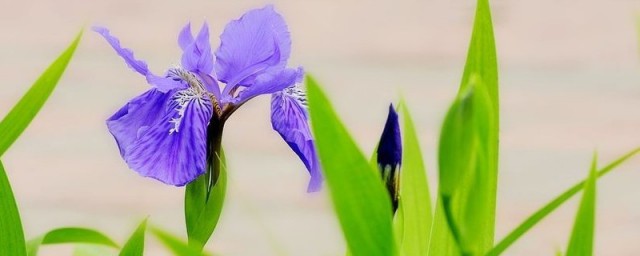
[{"x": 569, "y": 85}]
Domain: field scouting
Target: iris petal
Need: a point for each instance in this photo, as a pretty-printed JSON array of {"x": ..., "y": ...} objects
[
  {"x": 196, "y": 56},
  {"x": 289, "y": 118},
  {"x": 270, "y": 82},
  {"x": 138, "y": 114},
  {"x": 258, "y": 40},
  {"x": 173, "y": 150}
]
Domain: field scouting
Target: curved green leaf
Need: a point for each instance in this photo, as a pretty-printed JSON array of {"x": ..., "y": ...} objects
[
  {"x": 135, "y": 244},
  {"x": 11, "y": 234},
  {"x": 176, "y": 245},
  {"x": 69, "y": 235},
  {"x": 536, "y": 217},
  {"x": 359, "y": 197},
  {"x": 26, "y": 109},
  {"x": 202, "y": 214},
  {"x": 581, "y": 241}
]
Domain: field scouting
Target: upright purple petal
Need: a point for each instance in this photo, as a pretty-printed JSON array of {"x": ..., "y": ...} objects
[
  {"x": 289, "y": 118},
  {"x": 390, "y": 155},
  {"x": 137, "y": 65},
  {"x": 259, "y": 40},
  {"x": 136, "y": 116},
  {"x": 270, "y": 82},
  {"x": 185, "y": 38},
  {"x": 196, "y": 56},
  {"x": 173, "y": 150}
]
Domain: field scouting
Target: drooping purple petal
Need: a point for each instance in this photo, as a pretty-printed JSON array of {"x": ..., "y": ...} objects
[
  {"x": 289, "y": 118},
  {"x": 196, "y": 56},
  {"x": 173, "y": 150},
  {"x": 270, "y": 82},
  {"x": 136, "y": 116},
  {"x": 258, "y": 41}
]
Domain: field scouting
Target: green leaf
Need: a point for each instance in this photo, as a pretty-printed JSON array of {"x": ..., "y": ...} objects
[
  {"x": 536, "y": 217},
  {"x": 93, "y": 250},
  {"x": 176, "y": 245},
  {"x": 467, "y": 168},
  {"x": 26, "y": 109},
  {"x": 11, "y": 234},
  {"x": 359, "y": 197},
  {"x": 415, "y": 200},
  {"x": 135, "y": 244},
  {"x": 69, "y": 235},
  {"x": 202, "y": 214},
  {"x": 581, "y": 241}
]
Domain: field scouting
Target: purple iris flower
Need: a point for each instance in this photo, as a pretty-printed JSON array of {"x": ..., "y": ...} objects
[
  {"x": 390, "y": 155},
  {"x": 172, "y": 132}
]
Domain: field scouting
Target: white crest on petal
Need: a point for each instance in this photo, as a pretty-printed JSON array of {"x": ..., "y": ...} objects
[
  {"x": 182, "y": 99},
  {"x": 298, "y": 93}
]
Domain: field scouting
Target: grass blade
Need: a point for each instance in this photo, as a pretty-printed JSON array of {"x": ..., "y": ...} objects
[
  {"x": 177, "y": 246},
  {"x": 26, "y": 109},
  {"x": 359, "y": 197},
  {"x": 11, "y": 234},
  {"x": 202, "y": 214},
  {"x": 581, "y": 241},
  {"x": 551, "y": 206},
  {"x": 135, "y": 244},
  {"x": 69, "y": 235},
  {"x": 415, "y": 200}
]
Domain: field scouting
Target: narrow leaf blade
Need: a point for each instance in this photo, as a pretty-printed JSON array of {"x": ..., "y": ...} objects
[
  {"x": 135, "y": 244},
  {"x": 536, "y": 217},
  {"x": 177, "y": 246},
  {"x": 581, "y": 241},
  {"x": 359, "y": 197},
  {"x": 202, "y": 215},
  {"x": 26, "y": 109},
  {"x": 11, "y": 234},
  {"x": 415, "y": 199},
  {"x": 69, "y": 235}
]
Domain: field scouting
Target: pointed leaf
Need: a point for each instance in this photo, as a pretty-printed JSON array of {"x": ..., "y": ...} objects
[
  {"x": 415, "y": 199},
  {"x": 11, "y": 234},
  {"x": 26, "y": 109},
  {"x": 176, "y": 245},
  {"x": 359, "y": 197},
  {"x": 581, "y": 241},
  {"x": 536, "y": 217},
  {"x": 135, "y": 244},
  {"x": 202, "y": 214}
]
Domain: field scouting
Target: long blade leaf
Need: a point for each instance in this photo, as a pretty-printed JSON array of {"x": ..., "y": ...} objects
[
  {"x": 536, "y": 217},
  {"x": 26, "y": 109},
  {"x": 415, "y": 199},
  {"x": 177, "y": 246},
  {"x": 69, "y": 235},
  {"x": 359, "y": 197},
  {"x": 202, "y": 214},
  {"x": 581, "y": 241},
  {"x": 135, "y": 244},
  {"x": 11, "y": 234}
]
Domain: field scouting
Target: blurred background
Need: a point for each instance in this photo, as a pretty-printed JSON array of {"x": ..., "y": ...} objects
[{"x": 569, "y": 85}]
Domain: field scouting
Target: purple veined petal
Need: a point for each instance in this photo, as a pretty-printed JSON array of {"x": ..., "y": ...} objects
[
  {"x": 137, "y": 65},
  {"x": 173, "y": 150},
  {"x": 268, "y": 83},
  {"x": 164, "y": 84},
  {"x": 211, "y": 84},
  {"x": 138, "y": 114},
  {"x": 258, "y": 40},
  {"x": 289, "y": 118},
  {"x": 196, "y": 56}
]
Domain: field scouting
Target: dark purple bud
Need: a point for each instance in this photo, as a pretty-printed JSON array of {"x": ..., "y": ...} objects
[{"x": 390, "y": 155}]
